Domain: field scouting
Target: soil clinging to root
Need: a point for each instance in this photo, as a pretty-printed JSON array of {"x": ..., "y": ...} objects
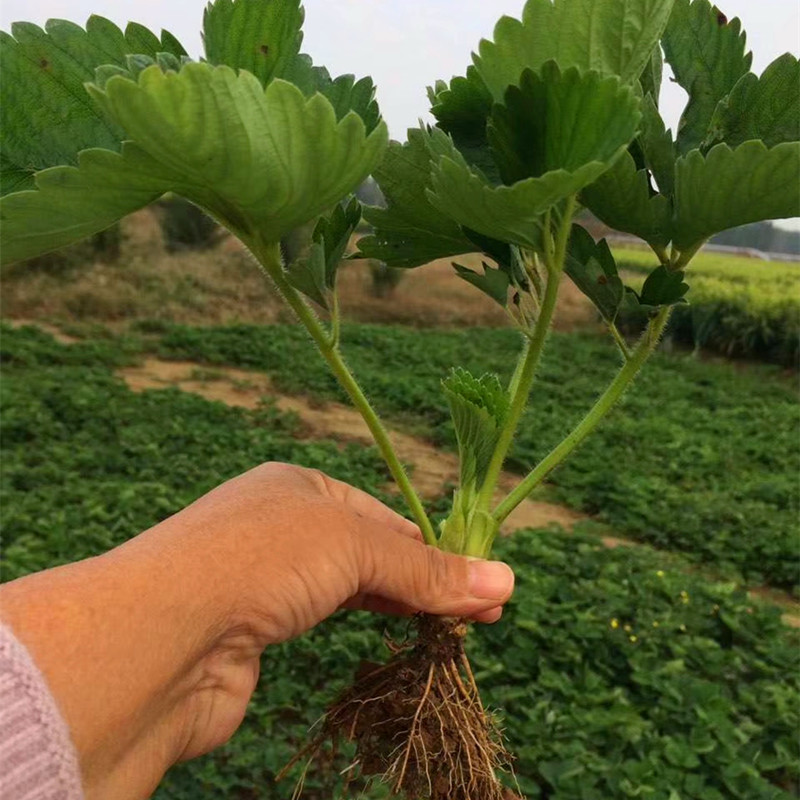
[{"x": 418, "y": 722}]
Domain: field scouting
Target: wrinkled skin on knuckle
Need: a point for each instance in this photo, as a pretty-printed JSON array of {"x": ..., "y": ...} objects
[{"x": 435, "y": 582}]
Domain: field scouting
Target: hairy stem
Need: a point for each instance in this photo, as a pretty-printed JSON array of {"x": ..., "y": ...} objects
[
  {"x": 526, "y": 370},
  {"x": 336, "y": 320},
  {"x": 269, "y": 257},
  {"x": 513, "y": 385},
  {"x": 620, "y": 340},
  {"x": 681, "y": 260},
  {"x": 605, "y": 403}
]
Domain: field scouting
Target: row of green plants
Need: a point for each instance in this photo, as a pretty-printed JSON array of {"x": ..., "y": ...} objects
[
  {"x": 740, "y": 307},
  {"x": 699, "y": 458},
  {"x": 88, "y": 464},
  {"x": 621, "y": 674}
]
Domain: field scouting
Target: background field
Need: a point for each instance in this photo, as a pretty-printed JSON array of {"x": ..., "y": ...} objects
[
  {"x": 653, "y": 669},
  {"x": 737, "y": 306}
]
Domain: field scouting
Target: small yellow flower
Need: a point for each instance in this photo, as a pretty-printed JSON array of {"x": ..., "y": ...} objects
[
  {"x": 660, "y": 573},
  {"x": 656, "y": 623},
  {"x": 683, "y": 628},
  {"x": 615, "y": 623},
  {"x": 634, "y": 638},
  {"x": 628, "y": 629},
  {"x": 685, "y": 598}
]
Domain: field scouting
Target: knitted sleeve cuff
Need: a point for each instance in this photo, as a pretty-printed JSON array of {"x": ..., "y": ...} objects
[{"x": 37, "y": 758}]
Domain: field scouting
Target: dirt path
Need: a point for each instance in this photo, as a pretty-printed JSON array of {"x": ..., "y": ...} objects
[
  {"x": 53, "y": 330},
  {"x": 433, "y": 469}
]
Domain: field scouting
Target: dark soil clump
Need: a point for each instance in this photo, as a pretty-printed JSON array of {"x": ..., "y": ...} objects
[{"x": 418, "y": 722}]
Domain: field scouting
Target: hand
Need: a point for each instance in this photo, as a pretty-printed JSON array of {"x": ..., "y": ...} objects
[{"x": 165, "y": 633}]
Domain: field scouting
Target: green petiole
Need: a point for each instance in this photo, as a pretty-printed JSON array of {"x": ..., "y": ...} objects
[
  {"x": 269, "y": 257},
  {"x": 522, "y": 382},
  {"x": 605, "y": 403}
]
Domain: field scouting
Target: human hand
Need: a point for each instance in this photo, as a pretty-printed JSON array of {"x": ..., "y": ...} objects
[
  {"x": 309, "y": 544},
  {"x": 294, "y": 546},
  {"x": 166, "y": 631}
]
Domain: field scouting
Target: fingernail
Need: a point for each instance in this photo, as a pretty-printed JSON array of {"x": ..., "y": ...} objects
[{"x": 490, "y": 580}]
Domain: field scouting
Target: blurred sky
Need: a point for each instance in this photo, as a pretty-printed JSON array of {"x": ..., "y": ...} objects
[{"x": 404, "y": 44}]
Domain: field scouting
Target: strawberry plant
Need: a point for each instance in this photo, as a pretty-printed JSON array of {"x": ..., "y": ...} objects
[{"x": 558, "y": 112}]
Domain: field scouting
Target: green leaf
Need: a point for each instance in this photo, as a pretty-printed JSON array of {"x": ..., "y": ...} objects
[
  {"x": 261, "y": 36},
  {"x": 664, "y": 288},
  {"x": 562, "y": 130},
  {"x": 334, "y": 232},
  {"x": 560, "y": 121},
  {"x": 623, "y": 199},
  {"x": 264, "y": 37},
  {"x": 72, "y": 203},
  {"x": 46, "y": 115},
  {"x": 346, "y": 94},
  {"x": 140, "y": 40},
  {"x": 13, "y": 178},
  {"x": 605, "y": 35},
  {"x": 592, "y": 268},
  {"x": 707, "y": 55},
  {"x": 652, "y": 76},
  {"x": 506, "y": 256},
  {"x": 679, "y": 753},
  {"x": 410, "y": 231},
  {"x": 315, "y": 274},
  {"x": 462, "y": 109},
  {"x": 135, "y": 64},
  {"x": 765, "y": 108},
  {"x": 657, "y": 147},
  {"x": 261, "y": 161},
  {"x": 728, "y": 188},
  {"x": 510, "y": 213},
  {"x": 479, "y": 407},
  {"x": 494, "y": 283},
  {"x": 308, "y": 274}
]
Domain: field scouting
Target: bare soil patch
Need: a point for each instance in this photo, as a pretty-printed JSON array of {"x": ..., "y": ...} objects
[
  {"x": 53, "y": 330},
  {"x": 224, "y": 285},
  {"x": 433, "y": 469}
]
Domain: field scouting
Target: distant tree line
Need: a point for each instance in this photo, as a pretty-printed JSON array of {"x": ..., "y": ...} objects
[{"x": 763, "y": 236}]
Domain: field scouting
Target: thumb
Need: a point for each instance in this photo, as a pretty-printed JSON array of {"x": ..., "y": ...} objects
[{"x": 407, "y": 571}]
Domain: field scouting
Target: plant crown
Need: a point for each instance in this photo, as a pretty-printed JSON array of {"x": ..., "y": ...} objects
[{"x": 558, "y": 113}]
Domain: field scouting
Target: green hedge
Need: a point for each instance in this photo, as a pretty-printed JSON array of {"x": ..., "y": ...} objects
[{"x": 739, "y": 307}]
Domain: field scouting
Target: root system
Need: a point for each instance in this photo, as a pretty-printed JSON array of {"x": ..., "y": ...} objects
[{"x": 418, "y": 722}]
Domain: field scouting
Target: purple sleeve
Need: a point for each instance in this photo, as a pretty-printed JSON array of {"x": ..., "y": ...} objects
[{"x": 37, "y": 757}]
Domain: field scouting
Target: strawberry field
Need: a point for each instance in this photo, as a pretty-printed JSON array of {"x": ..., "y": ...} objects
[
  {"x": 624, "y": 670},
  {"x": 699, "y": 459}
]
